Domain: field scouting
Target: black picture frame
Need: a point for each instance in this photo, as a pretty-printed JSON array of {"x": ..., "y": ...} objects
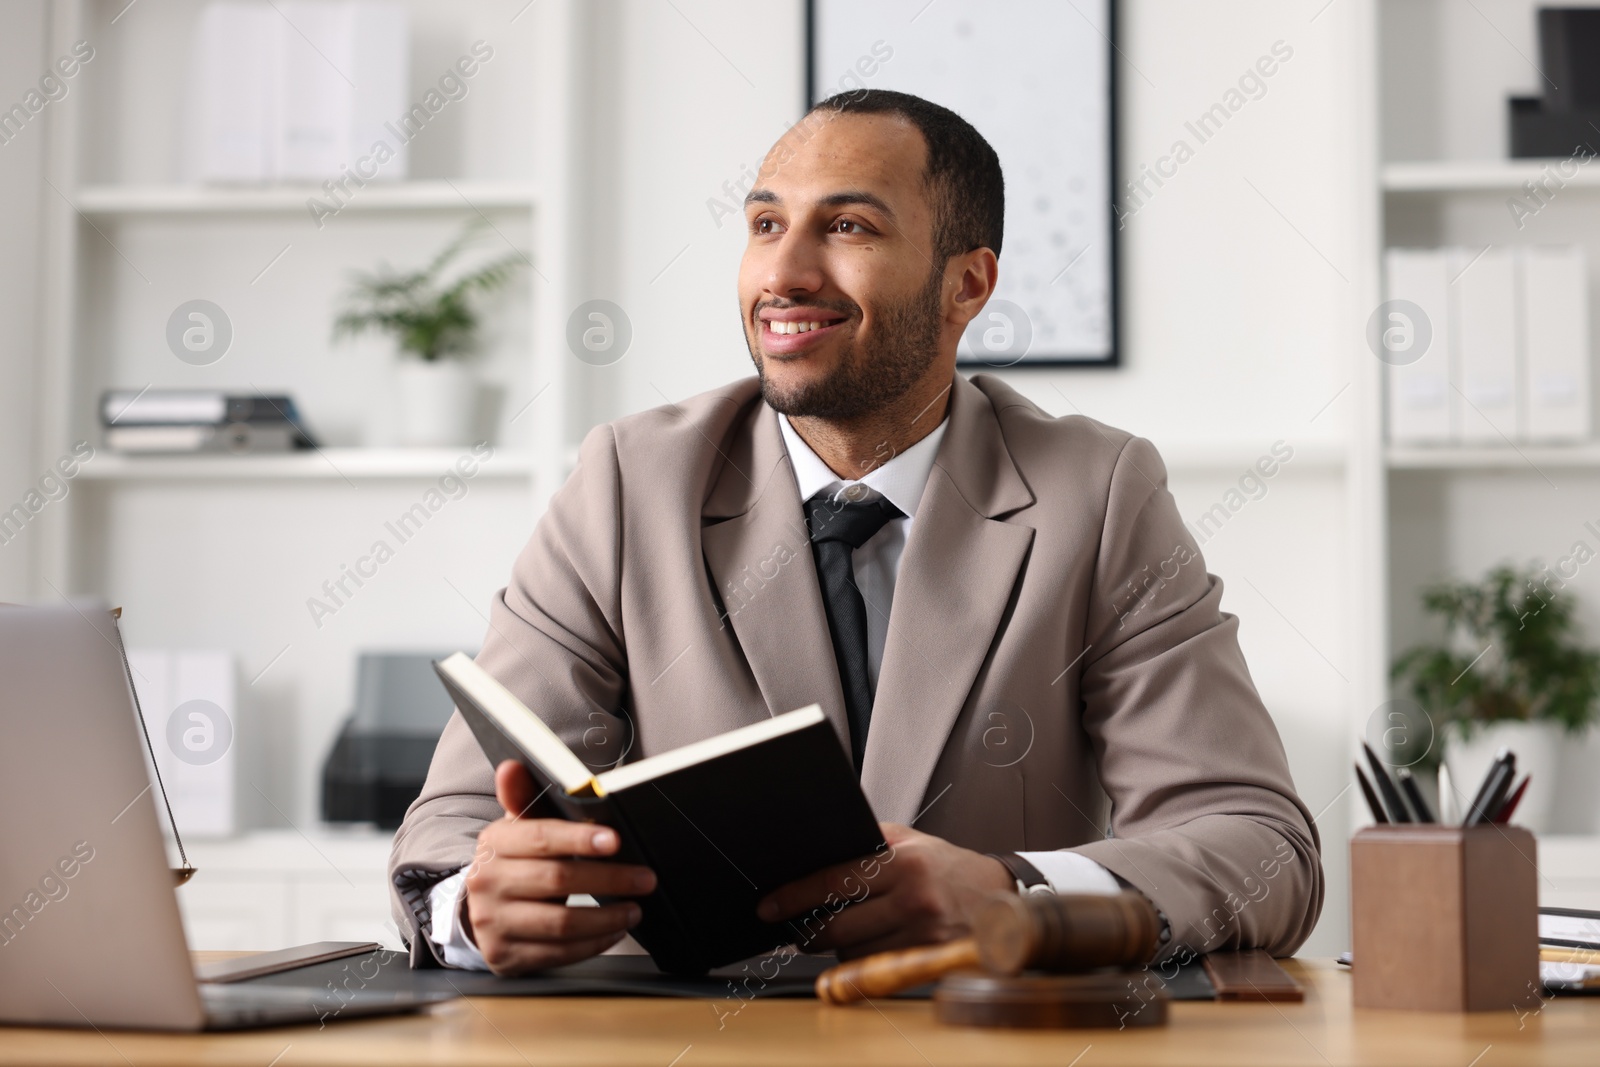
[{"x": 1112, "y": 357}]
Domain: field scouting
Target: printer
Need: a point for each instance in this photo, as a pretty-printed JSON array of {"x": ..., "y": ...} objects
[{"x": 380, "y": 760}]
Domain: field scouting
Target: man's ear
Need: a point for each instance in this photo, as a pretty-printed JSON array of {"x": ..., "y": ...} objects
[{"x": 970, "y": 278}]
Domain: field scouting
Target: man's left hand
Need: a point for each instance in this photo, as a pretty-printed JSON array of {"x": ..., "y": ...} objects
[{"x": 920, "y": 890}]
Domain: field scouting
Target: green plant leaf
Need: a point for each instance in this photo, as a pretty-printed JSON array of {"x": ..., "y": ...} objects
[
  {"x": 1527, "y": 662},
  {"x": 426, "y": 317}
]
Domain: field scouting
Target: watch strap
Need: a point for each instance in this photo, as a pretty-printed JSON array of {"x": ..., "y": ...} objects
[{"x": 1027, "y": 875}]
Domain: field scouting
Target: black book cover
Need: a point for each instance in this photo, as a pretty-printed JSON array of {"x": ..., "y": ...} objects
[{"x": 720, "y": 834}]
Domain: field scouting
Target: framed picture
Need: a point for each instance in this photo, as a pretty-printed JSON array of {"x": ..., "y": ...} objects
[{"x": 1036, "y": 78}]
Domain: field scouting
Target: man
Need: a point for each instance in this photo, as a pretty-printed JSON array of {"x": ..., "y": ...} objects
[{"x": 1000, "y": 612}]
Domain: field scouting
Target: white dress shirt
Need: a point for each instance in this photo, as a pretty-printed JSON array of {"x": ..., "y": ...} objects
[{"x": 901, "y": 480}]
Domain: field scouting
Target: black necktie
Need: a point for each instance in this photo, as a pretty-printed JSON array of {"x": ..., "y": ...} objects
[{"x": 838, "y": 528}]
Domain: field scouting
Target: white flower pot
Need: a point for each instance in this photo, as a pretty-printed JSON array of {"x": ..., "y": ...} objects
[
  {"x": 435, "y": 402},
  {"x": 1538, "y": 749}
]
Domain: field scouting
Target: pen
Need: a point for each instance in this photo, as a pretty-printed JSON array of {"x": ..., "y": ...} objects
[
  {"x": 1393, "y": 803},
  {"x": 1447, "y": 797},
  {"x": 1419, "y": 804},
  {"x": 1373, "y": 804},
  {"x": 1493, "y": 792},
  {"x": 1504, "y": 815},
  {"x": 1482, "y": 792}
]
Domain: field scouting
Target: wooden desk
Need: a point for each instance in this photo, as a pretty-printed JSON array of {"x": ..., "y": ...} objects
[{"x": 1324, "y": 1030}]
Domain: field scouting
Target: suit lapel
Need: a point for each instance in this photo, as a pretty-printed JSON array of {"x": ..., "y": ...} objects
[
  {"x": 759, "y": 557},
  {"x": 956, "y": 577}
]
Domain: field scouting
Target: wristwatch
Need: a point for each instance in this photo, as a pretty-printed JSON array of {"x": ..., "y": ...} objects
[{"x": 1029, "y": 879}]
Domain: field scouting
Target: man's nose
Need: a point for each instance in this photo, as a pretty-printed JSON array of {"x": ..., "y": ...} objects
[{"x": 796, "y": 266}]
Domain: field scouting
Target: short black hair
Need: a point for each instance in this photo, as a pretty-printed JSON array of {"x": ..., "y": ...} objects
[{"x": 963, "y": 172}]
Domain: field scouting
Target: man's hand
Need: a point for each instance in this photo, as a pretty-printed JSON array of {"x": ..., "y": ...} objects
[
  {"x": 517, "y": 886},
  {"x": 920, "y": 890}
]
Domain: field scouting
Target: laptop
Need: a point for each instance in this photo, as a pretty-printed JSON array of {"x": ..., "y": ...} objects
[{"x": 90, "y": 933}]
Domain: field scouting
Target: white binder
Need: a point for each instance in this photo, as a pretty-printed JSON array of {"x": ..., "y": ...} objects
[
  {"x": 1555, "y": 313},
  {"x": 299, "y": 91},
  {"x": 380, "y": 49},
  {"x": 313, "y": 131},
  {"x": 344, "y": 75},
  {"x": 1420, "y": 400},
  {"x": 235, "y": 96},
  {"x": 1487, "y": 335},
  {"x": 189, "y": 704}
]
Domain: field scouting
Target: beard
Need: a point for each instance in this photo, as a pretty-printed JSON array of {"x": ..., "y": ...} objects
[{"x": 867, "y": 381}]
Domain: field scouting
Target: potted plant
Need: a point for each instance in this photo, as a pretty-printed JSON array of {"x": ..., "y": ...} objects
[
  {"x": 435, "y": 326},
  {"x": 1511, "y": 673}
]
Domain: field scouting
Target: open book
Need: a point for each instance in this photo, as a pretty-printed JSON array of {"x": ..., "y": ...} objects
[{"x": 722, "y": 821}]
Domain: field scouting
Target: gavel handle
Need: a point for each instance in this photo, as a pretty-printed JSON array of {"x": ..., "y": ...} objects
[{"x": 887, "y": 973}]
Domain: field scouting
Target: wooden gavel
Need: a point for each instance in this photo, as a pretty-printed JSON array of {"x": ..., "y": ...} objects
[{"x": 1012, "y": 933}]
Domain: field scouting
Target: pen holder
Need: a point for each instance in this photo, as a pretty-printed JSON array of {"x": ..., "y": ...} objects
[{"x": 1444, "y": 918}]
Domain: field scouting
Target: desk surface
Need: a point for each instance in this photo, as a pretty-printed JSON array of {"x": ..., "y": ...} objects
[{"x": 1323, "y": 1031}]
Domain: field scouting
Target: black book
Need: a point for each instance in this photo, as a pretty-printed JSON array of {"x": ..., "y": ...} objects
[{"x": 722, "y": 822}]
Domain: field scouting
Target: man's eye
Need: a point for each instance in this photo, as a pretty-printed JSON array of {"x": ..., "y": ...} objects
[
  {"x": 854, "y": 227},
  {"x": 765, "y": 226}
]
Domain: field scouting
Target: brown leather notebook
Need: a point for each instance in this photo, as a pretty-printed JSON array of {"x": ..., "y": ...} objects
[{"x": 1252, "y": 975}]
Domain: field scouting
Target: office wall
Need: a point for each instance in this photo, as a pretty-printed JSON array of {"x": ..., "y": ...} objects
[
  {"x": 22, "y": 49},
  {"x": 1237, "y": 313},
  {"x": 1238, "y": 303}
]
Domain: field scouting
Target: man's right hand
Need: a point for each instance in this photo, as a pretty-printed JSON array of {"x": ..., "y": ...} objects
[{"x": 517, "y": 886}]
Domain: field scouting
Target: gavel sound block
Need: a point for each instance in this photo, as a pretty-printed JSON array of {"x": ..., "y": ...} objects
[{"x": 1079, "y": 948}]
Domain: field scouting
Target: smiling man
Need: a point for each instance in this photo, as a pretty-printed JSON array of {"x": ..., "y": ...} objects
[{"x": 981, "y": 597}]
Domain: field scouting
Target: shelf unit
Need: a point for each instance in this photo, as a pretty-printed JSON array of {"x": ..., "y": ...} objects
[
  {"x": 209, "y": 551},
  {"x": 1475, "y": 176},
  {"x": 110, "y": 201},
  {"x": 324, "y": 464},
  {"x": 277, "y": 887},
  {"x": 1506, "y": 457},
  {"x": 1442, "y": 73}
]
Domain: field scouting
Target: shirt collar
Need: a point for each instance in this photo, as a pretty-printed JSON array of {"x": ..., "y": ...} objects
[{"x": 901, "y": 480}]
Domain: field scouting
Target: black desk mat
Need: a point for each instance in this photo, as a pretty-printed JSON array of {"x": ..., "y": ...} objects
[{"x": 777, "y": 975}]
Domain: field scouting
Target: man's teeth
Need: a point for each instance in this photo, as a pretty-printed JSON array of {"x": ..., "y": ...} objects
[{"x": 795, "y": 327}]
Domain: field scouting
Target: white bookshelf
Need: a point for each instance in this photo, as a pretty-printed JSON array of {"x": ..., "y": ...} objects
[
  {"x": 1483, "y": 176},
  {"x": 274, "y": 888},
  {"x": 1499, "y": 458},
  {"x": 1442, "y": 71},
  {"x": 106, "y": 201},
  {"x": 223, "y": 551},
  {"x": 325, "y": 464}
]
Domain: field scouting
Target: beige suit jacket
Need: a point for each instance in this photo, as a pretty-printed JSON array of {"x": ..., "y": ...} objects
[{"x": 1058, "y": 672}]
